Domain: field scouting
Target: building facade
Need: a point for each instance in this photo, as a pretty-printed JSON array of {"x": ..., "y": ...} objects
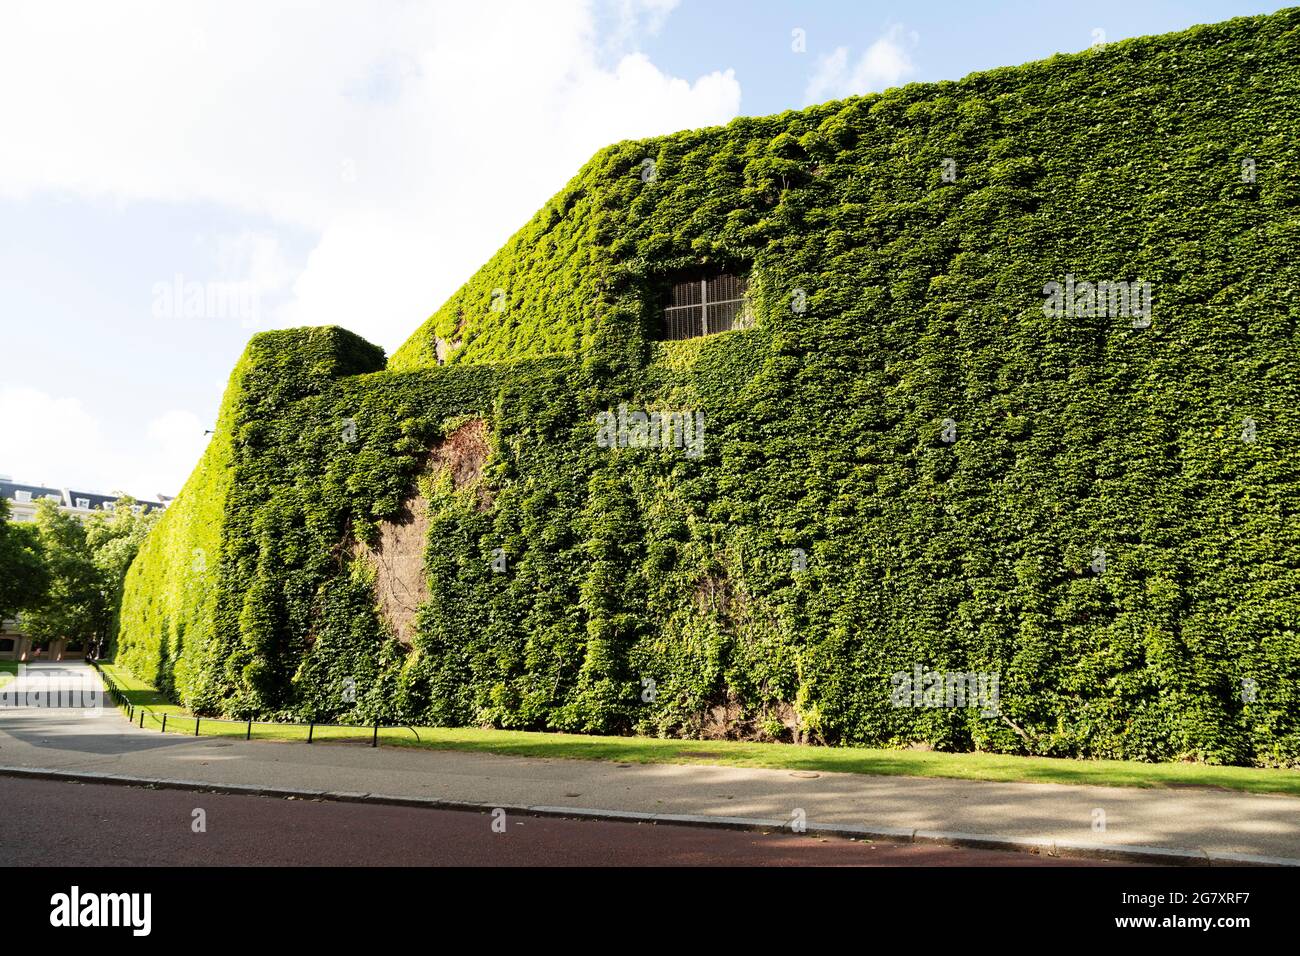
[{"x": 23, "y": 499}]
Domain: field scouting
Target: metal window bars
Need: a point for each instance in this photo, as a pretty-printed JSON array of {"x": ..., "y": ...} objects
[{"x": 705, "y": 307}]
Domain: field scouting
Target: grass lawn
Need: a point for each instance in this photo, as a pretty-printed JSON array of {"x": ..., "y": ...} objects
[
  {"x": 8, "y": 669},
  {"x": 967, "y": 766},
  {"x": 138, "y": 692}
]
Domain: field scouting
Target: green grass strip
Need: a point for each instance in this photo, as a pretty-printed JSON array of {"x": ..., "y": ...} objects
[{"x": 727, "y": 753}]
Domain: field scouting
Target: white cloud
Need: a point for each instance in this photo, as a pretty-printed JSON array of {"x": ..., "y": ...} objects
[
  {"x": 55, "y": 441},
  {"x": 887, "y": 62},
  {"x": 255, "y": 258},
  {"x": 412, "y": 139},
  {"x": 48, "y": 437},
  {"x": 637, "y": 17},
  {"x": 176, "y": 440}
]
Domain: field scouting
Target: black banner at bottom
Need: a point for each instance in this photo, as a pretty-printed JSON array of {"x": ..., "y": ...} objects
[{"x": 221, "y": 907}]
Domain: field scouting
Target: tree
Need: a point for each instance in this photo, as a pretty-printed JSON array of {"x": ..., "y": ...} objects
[
  {"x": 24, "y": 580},
  {"x": 74, "y": 605},
  {"x": 85, "y": 565}
]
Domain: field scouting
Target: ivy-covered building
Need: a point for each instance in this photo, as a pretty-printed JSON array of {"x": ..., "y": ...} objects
[{"x": 995, "y": 378}]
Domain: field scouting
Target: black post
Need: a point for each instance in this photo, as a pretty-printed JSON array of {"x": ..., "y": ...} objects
[
  {"x": 164, "y": 730},
  {"x": 249, "y": 735},
  {"x": 375, "y": 740},
  {"x": 196, "y": 726},
  {"x": 311, "y": 728},
  {"x": 142, "y": 719}
]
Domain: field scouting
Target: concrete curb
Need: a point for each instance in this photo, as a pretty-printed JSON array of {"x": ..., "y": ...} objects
[{"x": 1151, "y": 855}]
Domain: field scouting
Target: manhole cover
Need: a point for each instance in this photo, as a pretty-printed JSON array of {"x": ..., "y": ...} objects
[{"x": 804, "y": 774}]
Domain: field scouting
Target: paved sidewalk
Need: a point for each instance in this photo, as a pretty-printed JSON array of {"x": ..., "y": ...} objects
[{"x": 1207, "y": 822}]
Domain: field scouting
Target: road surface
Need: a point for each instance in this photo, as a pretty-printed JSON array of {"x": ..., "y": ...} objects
[{"x": 55, "y": 823}]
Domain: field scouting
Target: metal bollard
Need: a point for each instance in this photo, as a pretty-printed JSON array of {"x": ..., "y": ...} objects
[
  {"x": 164, "y": 727},
  {"x": 196, "y": 726},
  {"x": 375, "y": 740},
  {"x": 249, "y": 735},
  {"x": 311, "y": 729}
]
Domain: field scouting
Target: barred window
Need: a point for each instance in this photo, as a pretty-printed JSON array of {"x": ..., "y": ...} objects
[{"x": 705, "y": 306}]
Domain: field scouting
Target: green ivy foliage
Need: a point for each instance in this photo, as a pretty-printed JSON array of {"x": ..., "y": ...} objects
[{"x": 648, "y": 591}]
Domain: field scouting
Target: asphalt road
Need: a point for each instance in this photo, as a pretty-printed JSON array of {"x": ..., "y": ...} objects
[{"x": 54, "y": 823}]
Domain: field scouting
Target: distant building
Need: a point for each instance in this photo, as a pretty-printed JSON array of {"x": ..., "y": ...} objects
[
  {"x": 23, "y": 500},
  {"x": 81, "y": 504}
]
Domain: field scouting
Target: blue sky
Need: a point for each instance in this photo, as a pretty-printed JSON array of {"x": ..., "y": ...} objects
[{"x": 334, "y": 163}]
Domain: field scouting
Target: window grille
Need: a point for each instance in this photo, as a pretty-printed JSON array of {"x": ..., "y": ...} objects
[{"x": 705, "y": 306}]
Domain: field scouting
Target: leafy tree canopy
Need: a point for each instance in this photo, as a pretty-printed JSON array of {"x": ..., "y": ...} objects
[{"x": 24, "y": 579}]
